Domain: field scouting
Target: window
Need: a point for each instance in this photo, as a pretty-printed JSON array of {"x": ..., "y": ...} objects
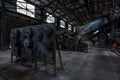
[
  {"x": 74, "y": 29},
  {"x": 62, "y": 24},
  {"x": 25, "y": 8},
  {"x": 69, "y": 27},
  {"x": 21, "y": 6},
  {"x": 30, "y": 10},
  {"x": 50, "y": 18}
]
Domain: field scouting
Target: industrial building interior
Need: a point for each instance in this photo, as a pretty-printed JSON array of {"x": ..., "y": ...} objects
[{"x": 59, "y": 40}]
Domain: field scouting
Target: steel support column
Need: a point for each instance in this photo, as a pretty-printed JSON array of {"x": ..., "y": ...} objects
[
  {"x": 113, "y": 25},
  {"x": 57, "y": 23},
  {"x": 76, "y": 38},
  {"x": 43, "y": 16},
  {"x": 3, "y": 25},
  {"x": 66, "y": 25},
  {"x": 72, "y": 28},
  {"x": 100, "y": 37}
]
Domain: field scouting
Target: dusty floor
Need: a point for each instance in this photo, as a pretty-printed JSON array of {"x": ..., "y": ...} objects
[{"x": 98, "y": 64}]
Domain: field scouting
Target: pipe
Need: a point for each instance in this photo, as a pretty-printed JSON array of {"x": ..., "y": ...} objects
[{"x": 93, "y": 25}]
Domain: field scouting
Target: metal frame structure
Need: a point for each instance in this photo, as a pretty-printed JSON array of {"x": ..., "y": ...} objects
[{"x": 73, "y": 12}]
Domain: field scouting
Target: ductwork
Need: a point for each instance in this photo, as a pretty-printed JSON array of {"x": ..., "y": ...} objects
[{"x": 92, "y": 26}]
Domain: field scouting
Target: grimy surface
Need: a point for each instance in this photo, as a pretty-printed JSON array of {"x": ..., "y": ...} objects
[{"x": 98, "y": 64}]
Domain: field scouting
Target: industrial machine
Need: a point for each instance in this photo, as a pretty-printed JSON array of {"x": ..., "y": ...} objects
[{"x": 35, "y": 44}]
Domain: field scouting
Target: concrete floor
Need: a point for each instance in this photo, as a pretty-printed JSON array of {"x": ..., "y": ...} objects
[{"x": 98, "y": 64}]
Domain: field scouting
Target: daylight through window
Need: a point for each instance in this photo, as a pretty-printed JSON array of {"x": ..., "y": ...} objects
[{"x": 25, "y": 8}]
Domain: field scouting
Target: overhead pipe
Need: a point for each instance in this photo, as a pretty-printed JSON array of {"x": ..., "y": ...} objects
[{"x": 92, "y": 26}]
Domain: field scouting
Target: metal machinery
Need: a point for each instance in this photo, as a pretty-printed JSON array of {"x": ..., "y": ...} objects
[
  {"x": 82, "y": 46},
  {"x": 35, "y": 44},
  {"x": 66, "y": 40}
]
